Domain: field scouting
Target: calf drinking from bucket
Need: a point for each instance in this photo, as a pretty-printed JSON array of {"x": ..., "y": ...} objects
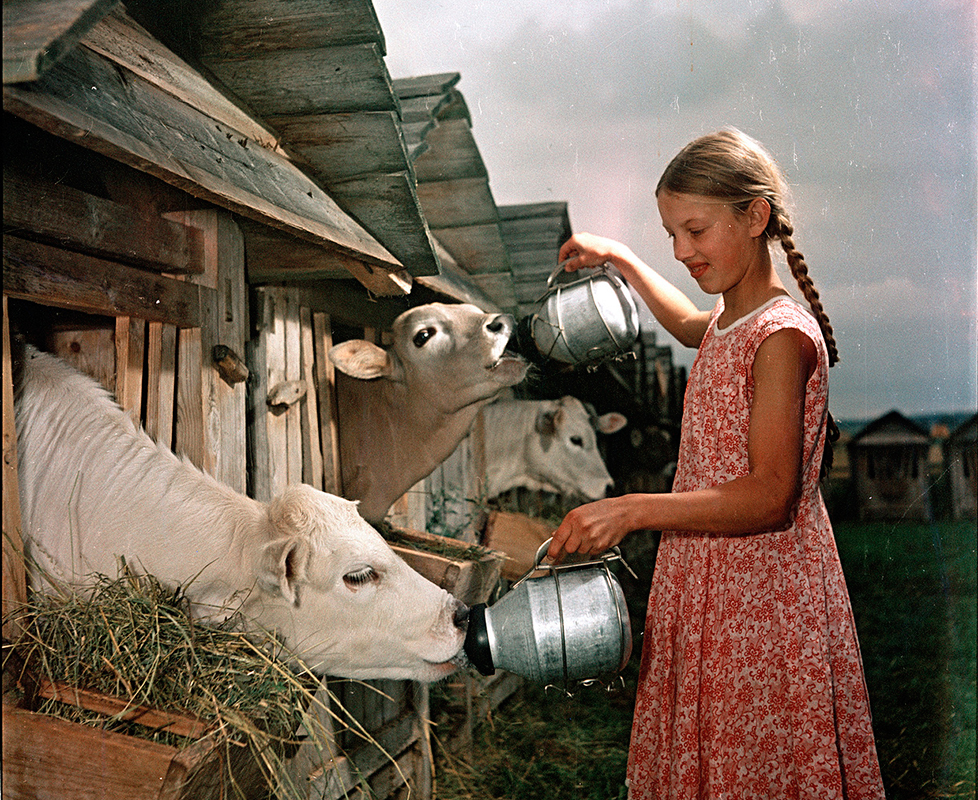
[
  {"x": 404, "y": 409},
  {"x": 94, "y": 487}
]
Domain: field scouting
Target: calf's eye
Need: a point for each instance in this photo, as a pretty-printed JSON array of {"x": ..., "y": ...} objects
[
  {"x": 354, "y": 580},
  {"x": 423, "y": 336},
  {"x": 577, "y": 441}
]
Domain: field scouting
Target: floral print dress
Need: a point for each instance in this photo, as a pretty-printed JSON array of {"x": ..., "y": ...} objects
[{"x": 751, "y": 684}]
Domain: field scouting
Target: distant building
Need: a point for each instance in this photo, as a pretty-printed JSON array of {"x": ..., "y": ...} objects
[
  {"x": 961, "y": 458},
  {"x": 888, "y": 462}
]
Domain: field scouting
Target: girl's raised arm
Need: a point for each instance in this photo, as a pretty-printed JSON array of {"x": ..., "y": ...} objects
[{"x": 673, "y": 309}]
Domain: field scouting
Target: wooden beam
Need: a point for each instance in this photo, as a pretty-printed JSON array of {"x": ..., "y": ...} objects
[
  {"x": 50, "y": 212},
  {"x": 323, "y": 79},
  {"x": 121, "y": 39},
  {"x": 37, "y": 33},
  {"x": 239, "y": 28},
  {"x": 275, "y": 256},
  {"x": 61, "y": 278},
  {"x": 95, "y": 102}
]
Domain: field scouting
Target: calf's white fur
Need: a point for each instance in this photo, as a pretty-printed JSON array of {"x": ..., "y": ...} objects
[
  {"x": 94, "y": 487},
  {"x": 547, "y": 445}
]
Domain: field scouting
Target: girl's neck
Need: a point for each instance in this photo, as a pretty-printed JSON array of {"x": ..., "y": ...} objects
[{"x": 758, "y": 285}]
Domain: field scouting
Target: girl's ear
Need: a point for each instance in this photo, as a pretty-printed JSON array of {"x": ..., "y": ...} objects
[{"x": 758, "y": 214}]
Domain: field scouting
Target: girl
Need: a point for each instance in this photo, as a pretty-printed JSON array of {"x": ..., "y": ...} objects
[{"x": 751, "y": 683}]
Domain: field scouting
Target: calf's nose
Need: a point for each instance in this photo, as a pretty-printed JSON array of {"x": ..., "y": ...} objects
[
  {"x": 501, "y": 323},
  {"x": 461, "y": 616}
]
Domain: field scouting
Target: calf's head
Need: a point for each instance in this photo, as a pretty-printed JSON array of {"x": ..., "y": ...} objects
[
  {"x": 451, "y": 355},
  {"x": 565, "y": 452},
  {"x": 343, "y": 601}
]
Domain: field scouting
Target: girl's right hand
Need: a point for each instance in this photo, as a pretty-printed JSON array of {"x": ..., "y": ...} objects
[{"x": 586, "y": 251}]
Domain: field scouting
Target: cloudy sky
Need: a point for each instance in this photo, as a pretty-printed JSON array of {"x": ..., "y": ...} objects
[{"x": 869, "y": 105}]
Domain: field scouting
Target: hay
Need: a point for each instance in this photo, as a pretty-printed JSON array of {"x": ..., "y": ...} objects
[
  {"x": 457, "y": 550},
  {"x": 134, "y": 638}
]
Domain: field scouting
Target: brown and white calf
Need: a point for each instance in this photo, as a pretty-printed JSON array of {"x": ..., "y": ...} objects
[{"x": 404, "y": 409}]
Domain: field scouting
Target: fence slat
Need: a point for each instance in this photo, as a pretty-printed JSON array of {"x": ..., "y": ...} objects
[{"x": 312, "y": 454}]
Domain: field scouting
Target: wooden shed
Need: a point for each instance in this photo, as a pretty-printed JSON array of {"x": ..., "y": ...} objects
[
  {"x": 188, "y": 185},
  {"x": 961, "y": 461},
  {"x": 888, "y": 460}
]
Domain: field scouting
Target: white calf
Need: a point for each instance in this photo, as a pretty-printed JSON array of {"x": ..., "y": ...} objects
[
  {"x": 548, "y": 445},
  {"x": 94, "y": 487}
]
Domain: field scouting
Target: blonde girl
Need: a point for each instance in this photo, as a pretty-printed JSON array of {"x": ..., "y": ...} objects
[{"x": 751, "y": 683}]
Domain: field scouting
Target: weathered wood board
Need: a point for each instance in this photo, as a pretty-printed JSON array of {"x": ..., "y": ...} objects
[{"x": 518, "y": 536}]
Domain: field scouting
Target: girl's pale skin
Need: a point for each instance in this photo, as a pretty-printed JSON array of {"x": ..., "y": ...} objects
[{"x": 726, "y": 253}]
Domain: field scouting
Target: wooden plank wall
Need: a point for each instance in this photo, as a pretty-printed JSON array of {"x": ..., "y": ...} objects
[
  {"x": 295, "y": 441},
  {"x": 292, "y": 421}
]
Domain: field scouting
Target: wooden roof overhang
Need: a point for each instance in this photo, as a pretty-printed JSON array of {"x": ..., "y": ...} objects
[
  {"x": 314, "y": 72},
  {"x": 453, "y": 185},
  {"x": 89, "y": 73},
  {"x": 893, "y": 428},
  {"x": 533, "y": 233}
]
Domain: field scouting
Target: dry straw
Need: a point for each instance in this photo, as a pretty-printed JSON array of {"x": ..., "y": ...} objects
[{"x": 133, "y": 638}]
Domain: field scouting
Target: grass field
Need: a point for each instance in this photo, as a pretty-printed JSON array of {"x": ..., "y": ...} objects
[{"x": 913, "y": 594}]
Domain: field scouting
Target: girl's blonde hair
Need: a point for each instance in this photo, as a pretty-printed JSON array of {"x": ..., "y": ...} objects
[{"x": 731, "y": 166}]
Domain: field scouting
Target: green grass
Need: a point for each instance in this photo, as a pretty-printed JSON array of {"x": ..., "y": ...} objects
[
  {"x": 913, "y": 595},
  {"x": 543, "y": 744}
]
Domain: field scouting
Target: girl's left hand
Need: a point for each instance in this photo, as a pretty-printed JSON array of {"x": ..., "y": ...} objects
[{"x": 591, "y": 529}]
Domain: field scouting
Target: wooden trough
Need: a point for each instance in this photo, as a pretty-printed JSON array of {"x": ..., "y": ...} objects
[{"x": 48, "y": 758}]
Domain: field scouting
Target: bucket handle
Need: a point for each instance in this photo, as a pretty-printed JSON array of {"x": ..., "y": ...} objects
[
  {"x": 560, "y": 268},
  {"x": 614, "y": 554}
]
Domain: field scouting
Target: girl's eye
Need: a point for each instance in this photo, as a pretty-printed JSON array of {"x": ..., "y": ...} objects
[
  {"x": 354, "y": 580},
  {"x": 423, "y": 336},
  {"x": 697, "y": 232}
]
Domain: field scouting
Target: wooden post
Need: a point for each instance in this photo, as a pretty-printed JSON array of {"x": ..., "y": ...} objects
[
  {"x": 161, "y": 363},
  {"x": 293, "y": 372},
  {"x": 14, "y": 574},
  {"x": 130, "y": 343},
  {"x": 312, "y": 452},
  {"x": 325, "y": 383},
  {"x": 212, "y": 409}
]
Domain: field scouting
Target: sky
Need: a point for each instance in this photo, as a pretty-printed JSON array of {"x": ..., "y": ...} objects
[{"x": 868, "y": 105}]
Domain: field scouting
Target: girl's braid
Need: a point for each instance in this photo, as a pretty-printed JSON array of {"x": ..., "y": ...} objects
[
  {"x": 799, "y": 270},
  {"x": 781, "y": 227}
]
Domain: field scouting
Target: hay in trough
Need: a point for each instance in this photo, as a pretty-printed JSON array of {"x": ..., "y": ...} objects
[{"x": 133, "y": 638}]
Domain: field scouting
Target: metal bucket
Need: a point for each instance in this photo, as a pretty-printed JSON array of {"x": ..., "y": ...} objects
[
  {"x": 586, "y": 320},
  {"x": 570, "y": 624}
]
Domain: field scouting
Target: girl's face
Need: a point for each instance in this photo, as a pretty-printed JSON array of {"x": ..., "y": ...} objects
[{"x": 718, "y": 246}]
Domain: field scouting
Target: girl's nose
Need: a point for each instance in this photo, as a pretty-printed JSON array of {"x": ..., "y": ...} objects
[{"x": 681, "y": 249}]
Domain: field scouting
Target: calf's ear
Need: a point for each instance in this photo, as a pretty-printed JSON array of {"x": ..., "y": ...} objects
[
  {"x": 361, "y": 359},
  {"x": 291, "y": 517},
  {"x": 612, "y": 422},
  {"x": 283, "y": 567}
]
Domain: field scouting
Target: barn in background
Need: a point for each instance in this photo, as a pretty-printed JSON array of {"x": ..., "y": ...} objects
[
  {"x": 199, "y": 200},
  {"x": 961, "y": 458},
  {"x": 888, "y": 462}
]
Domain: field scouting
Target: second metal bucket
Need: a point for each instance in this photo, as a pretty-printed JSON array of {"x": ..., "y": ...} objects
[{"x": 569, "y": 624}]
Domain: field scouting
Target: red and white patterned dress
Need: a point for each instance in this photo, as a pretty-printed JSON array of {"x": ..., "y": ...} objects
[{"x": 751, "y": 685}]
